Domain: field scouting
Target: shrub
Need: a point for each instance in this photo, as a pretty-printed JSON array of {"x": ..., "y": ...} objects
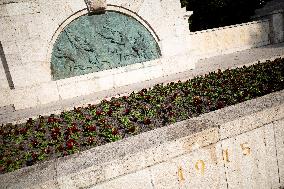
[{"x": 218, "y": 13}]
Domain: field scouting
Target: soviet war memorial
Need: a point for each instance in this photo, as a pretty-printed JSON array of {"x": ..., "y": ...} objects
[{"x": 149, "y": 94}]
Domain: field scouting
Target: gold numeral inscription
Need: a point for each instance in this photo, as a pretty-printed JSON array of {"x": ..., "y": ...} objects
[
  {"x": 180, "y": 174},
  {"x": 226, "y": 156},
  {"x": 200, "y": 166},
  {"x": 246, "y": 149}
]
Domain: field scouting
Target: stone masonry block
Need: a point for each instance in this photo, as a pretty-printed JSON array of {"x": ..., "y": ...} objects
[
  {"x": 138, "y": 180},
  {"x": 252, "y": 121},
  {"x": 11, "y": 31},
  {"x": 133, "y": 5},
  {"x": 39, "y": 176},
  {"x": 56, "y": 10},
  {"x": 279, "y": 139},
  {"x": 22, "y": 8},
  {"x": 30, "y": 74},
  {"x": 47, "y": 93},
  {"x": 24, "y": 98},
  {"x": 5, "y": 97},
  {"x": 164, "y": 175},
  {"x": 14, "y": 60},
  {"x": 76, "y": 5},
  {"x": 248, "y": 162},
  {"x": 271, "y": 162},
  {"x": 201, "y": 169}
]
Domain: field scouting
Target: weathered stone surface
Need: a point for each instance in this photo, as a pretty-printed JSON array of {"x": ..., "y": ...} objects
[
  {"x": 229, "y": 39},
  {"x": 199, "y": 169},
  {"x": 39, "y": 176},
  {"x": 138, "y": 180},
  {"x": 97, "y": 42},
  {"x": 279, "y": 140},
  {"x": 271, "y": 162},
  {"x": 251, "y": 160}
]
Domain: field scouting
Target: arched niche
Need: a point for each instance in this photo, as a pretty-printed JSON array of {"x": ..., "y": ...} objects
[{"x": 93, "y": 43}]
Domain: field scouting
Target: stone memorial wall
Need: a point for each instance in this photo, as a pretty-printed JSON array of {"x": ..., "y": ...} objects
[{"x": 61, "y": 49}]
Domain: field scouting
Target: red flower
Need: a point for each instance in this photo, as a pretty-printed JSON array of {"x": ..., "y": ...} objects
[
  {"x": 220, "y": 104},
  {"x": 109, "y": 112},
  {"x": 51, "y": 119},
  {"x": 78, "y": 110},
  {"x": 126, "y": 111},
  {"x": 148, "y": 97},
  {"x": 88, "y": 118},
  {"x": 132, "y": 129},
  {"x": 23, "y": 131},
  {"x": 70, "y": 144},
  {"x": 171, "y": 114},
  {"x": 2, "y": 169},
  {"x": 47, "y": 150},
  {"x": 9, "y": 162},
  {"x": 114, "y": 131},
  {"x": 147, "y": 121},
  {"x": 90, "y": 140},
  {"x": 73, "y": 129},
  {"x": 197, "y": 100},
  {"x": 92, "y": 128},
  {"x": 30, "y": 121},
  {"x": 99, "y": 112},
  {"x": 41, "y": 119},
  {"x": 34, "y": 143},
  {"x": 117, "y": 104},
  {"x": 60, "y": 148},
  {"x": 55, "y": 132},
  {"x": 65, "y": 153},
  {"x": 34, "y": 156},
  {"x": 144, "y": 90}
]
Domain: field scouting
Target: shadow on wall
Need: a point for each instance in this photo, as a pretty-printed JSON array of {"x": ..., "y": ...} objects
[{"x": 6, "y": 67}]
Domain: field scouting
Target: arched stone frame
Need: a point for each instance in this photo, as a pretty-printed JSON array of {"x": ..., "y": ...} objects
[{"x": 83, "y": 12}]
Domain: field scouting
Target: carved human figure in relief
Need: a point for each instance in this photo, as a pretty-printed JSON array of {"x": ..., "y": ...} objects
[
  {"x": 81, "y": 55},
  {"x": 125, "y": 47}
]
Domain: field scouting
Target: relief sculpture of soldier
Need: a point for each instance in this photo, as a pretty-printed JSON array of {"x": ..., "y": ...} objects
[
  {"x": 80, "y": 55},
  {"x": 126, "y": 48}
]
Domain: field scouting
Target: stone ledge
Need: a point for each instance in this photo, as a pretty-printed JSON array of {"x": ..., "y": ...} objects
[{"x": 133, "y": 154}]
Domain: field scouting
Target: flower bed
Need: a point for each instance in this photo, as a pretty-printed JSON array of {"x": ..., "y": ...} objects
[{"x": 82, "y": 128}]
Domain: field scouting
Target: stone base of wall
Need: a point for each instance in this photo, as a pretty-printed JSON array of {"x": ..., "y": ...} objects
[{"x": 52, "y": 91}]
